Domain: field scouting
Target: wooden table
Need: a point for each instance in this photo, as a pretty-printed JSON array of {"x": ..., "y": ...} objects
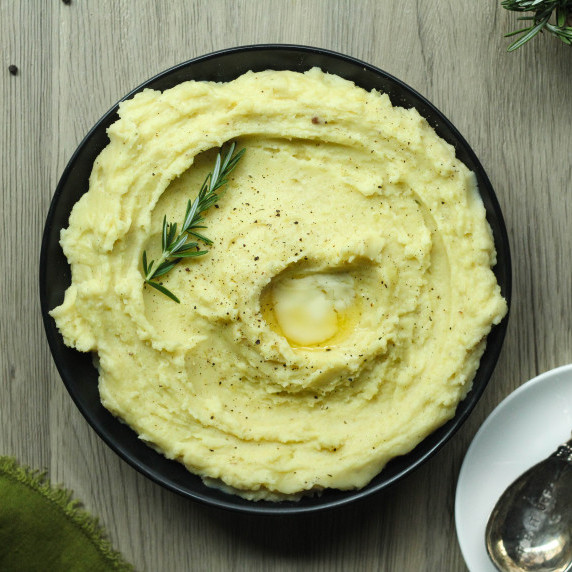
[{"x": 74, "y": 61}]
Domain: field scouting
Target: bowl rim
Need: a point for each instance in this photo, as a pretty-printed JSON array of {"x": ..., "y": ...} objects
[{"x": 431, "y": 444}]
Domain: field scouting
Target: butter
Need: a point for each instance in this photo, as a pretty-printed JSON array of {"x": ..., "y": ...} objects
[{"x": 308, "y": 309}]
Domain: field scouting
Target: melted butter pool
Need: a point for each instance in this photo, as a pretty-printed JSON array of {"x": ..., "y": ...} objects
[{"x": 312, "y": 310}]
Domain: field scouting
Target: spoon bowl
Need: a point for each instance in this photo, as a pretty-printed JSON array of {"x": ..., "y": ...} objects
[{"x": 530, "y": 527}]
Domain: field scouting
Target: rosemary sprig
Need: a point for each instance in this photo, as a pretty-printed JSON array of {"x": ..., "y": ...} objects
[
  {"x": 176, "y": 246},
  {"x": 540, "y": 20}
]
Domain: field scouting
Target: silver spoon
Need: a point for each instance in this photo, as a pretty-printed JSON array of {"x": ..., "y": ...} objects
[{"x": 530, "y": 528}]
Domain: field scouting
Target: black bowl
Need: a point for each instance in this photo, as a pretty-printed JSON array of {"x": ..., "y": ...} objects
[{"x": 77, "y": 369}]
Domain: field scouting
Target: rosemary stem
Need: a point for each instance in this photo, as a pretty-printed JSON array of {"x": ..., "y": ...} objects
[
  {"x": 175, "y": 246},
  {"x": 160, "y": 261}
]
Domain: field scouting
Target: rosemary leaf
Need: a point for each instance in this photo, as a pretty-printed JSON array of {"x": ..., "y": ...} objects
[
  {"x": 530, "y": 33},
  {"x": 164, "y": 234},
  {"x": 167, "y": 266},
  {"x": 201, "y": 236},
  {"x": 164, "y": 290},
  {"x": 190, "y": 254},
  {"x": 188, "y": 246},
  {"x": 191, "y": 210}
]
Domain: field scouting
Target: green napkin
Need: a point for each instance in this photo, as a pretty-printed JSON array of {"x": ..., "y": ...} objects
[{"x": 43, "y": 529}]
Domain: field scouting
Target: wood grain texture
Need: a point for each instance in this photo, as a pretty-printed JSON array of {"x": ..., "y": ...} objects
[{"x": 76, "y": 61}]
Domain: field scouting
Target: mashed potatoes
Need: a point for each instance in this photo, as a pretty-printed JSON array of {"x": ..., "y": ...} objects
[{"x": 341, "y": 312}]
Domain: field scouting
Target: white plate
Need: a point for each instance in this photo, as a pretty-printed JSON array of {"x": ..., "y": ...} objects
[{"x": 524, "y": 429}]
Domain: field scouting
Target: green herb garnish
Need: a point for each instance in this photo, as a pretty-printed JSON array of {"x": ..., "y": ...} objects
[
  {"x": 176, "y": 246},
  {"x": 540, "y": 19}
]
